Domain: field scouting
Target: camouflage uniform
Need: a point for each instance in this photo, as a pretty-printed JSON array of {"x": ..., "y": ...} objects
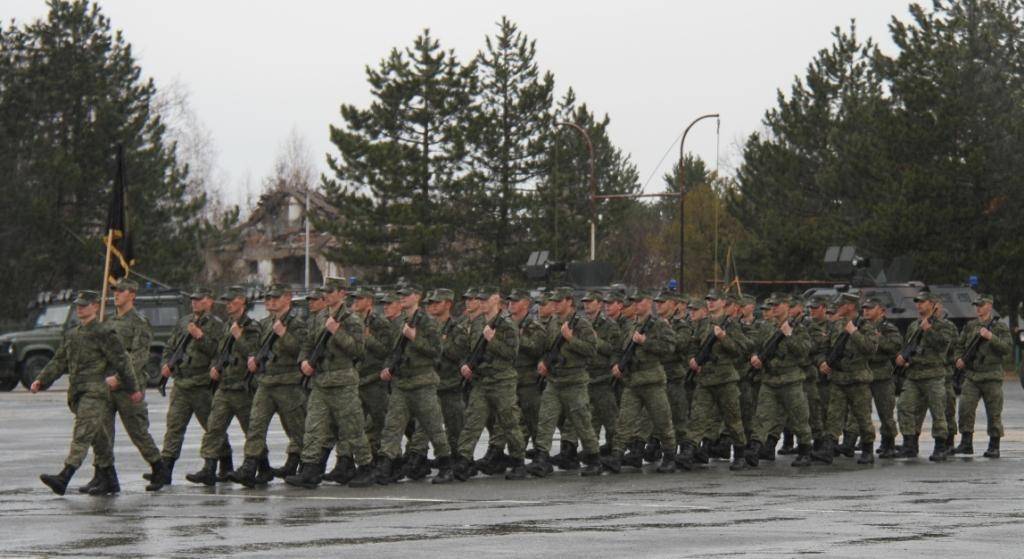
[
  {"x": 604, "y": 409},
  {"x": 925, "y": 384},
  {"x": 883, "y": 388},
  {"x": 717, "y": 396},
  {"x": 532, "y": 342},
  {"x": 454, "y": 349},
  {"x": 644, "y": 386},
  {"x": 781, "y": 397},
  {"x": 749, "y": 385},
  {"x": 849, "y": 382},
  {"x": 381, "y": 334},
  {"x": 984, "y": 377},
  {"x": 675, "y": 375},
  {"x": 232, "y": 399},
  {"x": 136, "y": 335},
  {"x": 191, "y": 391}
]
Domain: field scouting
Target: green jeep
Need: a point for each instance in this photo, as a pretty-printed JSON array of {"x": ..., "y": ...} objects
[{"x": 23, "y": 354}]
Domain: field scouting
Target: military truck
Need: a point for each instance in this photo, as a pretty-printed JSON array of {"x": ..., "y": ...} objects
[{"x": 23, "y": 354}]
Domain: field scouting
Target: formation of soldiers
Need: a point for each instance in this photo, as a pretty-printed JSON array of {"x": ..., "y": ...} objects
[{"x": 382, "y": 379}]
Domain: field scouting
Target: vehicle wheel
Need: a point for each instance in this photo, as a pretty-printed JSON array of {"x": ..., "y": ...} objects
[
  {"x": 31, "y": 367},
  {"x": 8, "y": 383},
  {"x": 153, "y": 370}
]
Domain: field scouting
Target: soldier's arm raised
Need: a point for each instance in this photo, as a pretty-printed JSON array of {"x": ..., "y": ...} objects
[
  {"x": 584, "y": 340},
  {"x": 504, "y": 343}
]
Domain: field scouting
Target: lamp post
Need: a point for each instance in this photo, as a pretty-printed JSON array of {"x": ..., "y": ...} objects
[
  {"x": 682, "y": 193},
  {"x": 593, "y": 186}
]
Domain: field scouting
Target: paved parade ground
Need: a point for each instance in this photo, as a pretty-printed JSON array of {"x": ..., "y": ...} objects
[{"x": 964, "y": 508}]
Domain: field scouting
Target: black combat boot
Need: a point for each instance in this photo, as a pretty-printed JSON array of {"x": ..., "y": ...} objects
[
  {"x": 59, "y": 483},
  {"x": 567, "y": 458},
  {"x": 787, "y": 443},
  {"x": 246, "y": 473},
  {"x": 291, "y": 465},
  {"x": 909, "y": 449},
  {"x": 867, "y": 453},
  {"x": 517, "y": 471},
  {"x": 993, "y": 448},
  {"x": 767, "y": 451},
  {"x": 364, "y": 476},
  {"x": 540, "y": 466},
  {"x": 206, "y": 476},
  {"x": 606, "y": 448},
  {"x": 264, "y": 473},
  {"x": 423, "y": 469},
  {"x": 849, "y": 446},
  {"x": 444, "y": 470},
  {"x": 108, "y": 484},
  {"x": 949, "y": 443},
  {"x": 484, "y": 464},
  {"x": 308, "y": 477},
  {"x": 888, "y": 447},
  {"x": 343, "y": 472},
  {"x": 227, "y": 465},
  {"x": 702, "y": 455},
  {"x": 966, "y": 445},
  {"x": 591, "y": 465},
  {"x": 634, "y": 455},
  {"x": 384, "y": 471},
  {"x": 720, "y": 449},
  {"x": 162, "y": 471},
  {"x": 668, "y": 461},
  {"x": 325, "y": 455},
  {"x": 652, "y": 450},
  {"x": 803, "y": 456},
  {"x": 461, "y": 468},
  {"x": 738, "y": 462},
  {"x": 96, "y": 475},
  {"x": 612, "y": 462},
  {"x": 530, "y": 453},
  {"x": 414, "y": 466},
  {"x": 825, "y": 454},
  {"x": 752, "y": 454},
  {"x": 685, "y": 457},
  {"x": 939, "y": 453}
]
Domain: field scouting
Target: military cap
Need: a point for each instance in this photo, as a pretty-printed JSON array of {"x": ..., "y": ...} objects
[
  {"x": 87, "y": 297},
  {"x": 713, "y": 294},
  {"x": 277, "y": 290},
  {"x": 775, "y": 298},
  {"x": 830, "y": 308},
  {"x": 847, "y": 298},
  {"x": 125, "y": 284},
  {"x": 732, "y": 298},
  {"x": 316, "y": 294},
  {"x": 983, "y": 298},
  {"x": 469, "y": 293},
  {"x": 817, "y": 301},
  {"x": 234, "y": 292},
  {"x": 591, "y": 296},
  {"x": 201, "y": 293},
  {"x": 747, "y": 300},
  {"x": 871, "y": 302},
  {"x": 441, "y": 294},
  {"x": 614, "y": 296},
  {"x": 694, "y": 303},
  {"x": 795, "y": 300},
  {"x": 519, "y": 295},
  {"x": 388, "y": 297},
  {"x": 409, "y": 289},
  {"x": 486, "y": 292},
  {"x": 362, "y": 293},
  {"x": 561, "y": 293},
  {"x": 924, "y": 296},
  {"x": 335, "y": 283}
]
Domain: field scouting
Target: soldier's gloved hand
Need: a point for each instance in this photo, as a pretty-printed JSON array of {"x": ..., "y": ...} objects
[
  {"x": 113, "y": 382},
  {"x": 332, "y": 325},
  {"x": 488, "y": 333},
  {"x": 195, "y": 331},
  {"x": 36, "y": 386},
  {"x": 250, "y": 364},
  {"x": 279, "y": 328},
  {"x": 385, "y": 375},
  {"x": 165, "y": 371},
  {"x": 466, "y": 372},
  {"x": 136, "y": 396},
  {"x": 307, "y": 369},
  {"x": 755, "y": 361},
  {"x": 616, "y": 372},
  {"x": 236, "y": 331}
]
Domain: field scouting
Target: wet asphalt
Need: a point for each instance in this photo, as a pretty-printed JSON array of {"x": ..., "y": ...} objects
[{"x": 896, "y": 508}]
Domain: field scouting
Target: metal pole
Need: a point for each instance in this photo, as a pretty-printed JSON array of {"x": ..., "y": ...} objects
[
  {"x": 307, "y": 239},
  {"x": 682, "y": 195},
  {"x": 593, "y": 187}
]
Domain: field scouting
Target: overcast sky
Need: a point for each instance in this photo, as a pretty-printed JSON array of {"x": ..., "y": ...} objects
[{"x": 256, "y": 70}]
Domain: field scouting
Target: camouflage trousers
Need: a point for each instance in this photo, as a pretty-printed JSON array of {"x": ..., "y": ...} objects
[
  {"x": 183, "y": 404},
  {"x": 528, "y": 397},
  {"x": 89, "y": 430},
  {"x": 713, "y": 405},
  {"x": 493, "y": 401},
  {"x": 418, "y": 404},
  {"x": 991, "y": 392},
  {"x": 334, "y": 414},
  {"x": 288, "y": 401},
  {"x": 950, "y": 410},
  {"x": 748, "y": 402},
  {"x": 815, "y": 410},
  {"x": 604, "y": 411},
  {"x": 782, "y": 405},
  {"x": 571, "y": 401},
  {"x": 227, "y": 405},
  {"x": 374, "y": 399},
  {"x": 857, "y": 398},
  {"x": 918, "y": 397},
  {"x": 653, "y": 398},
  {"x": 678, "y": 401},
  {"x": 883, "y": 392},
  {"x": 135, "y": 419},
  {"x": 453, "y": 411}
]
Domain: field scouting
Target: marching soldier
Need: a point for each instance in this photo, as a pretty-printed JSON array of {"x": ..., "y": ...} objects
[
  {"x": 749, "y": 385},
  {"x": 979, "y": 357},
  {"x": 279, "y": 390},
  {"x": 232, "y": 399},
  {"x": 883, "y": 387},
  {"x": 532, "y": 339},
  {"x": 190, "y": 394},
  {"x": 92, "y": 356},
  {"x": 604, "y": 409}
]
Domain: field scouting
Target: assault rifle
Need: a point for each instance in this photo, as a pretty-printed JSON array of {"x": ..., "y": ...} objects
[
  {"x": 316, "y": 355},
  {"x": 476, "y": 357},
  {"x": 771, "y": 347},
  {"x": 908, "y": 352},
  {"x": 630, "y": 352},
  {"x": 222, "y": 361},
  {"x": 553, "y": 357},
  {"x": 838, "y": 350},
  {"x": 398, "y": 352},
  {"x": 970, "y": 354},
  {"x": 704, "y": 355},
  {"x": 176, "y": 359},
  {"x": 263, "y": 356}
]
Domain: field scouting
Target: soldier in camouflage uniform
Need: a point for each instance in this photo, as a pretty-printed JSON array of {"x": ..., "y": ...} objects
[
  {"x": 644, "y": 386},
  {"x": 925, "y": 382},
  {"x": 982, "y": 376},
  {"x": 333, "y": 410},
  {"x": 232, "y": 398},
  {"x": 604, "y": 409},
  {"x": 190, "y": 394},
  {"x": 817, "y": 336},
  {"x": 92, "y": 356},
  {"x": 279, "y": 390},
  {"x": 717, "y": 395},
  {"x": 781, "y": 397},
  {"x": 493, "y": 397},
  {"x": 749, "y": 384},
  {"x": 883, "y": 387},
  {"x": 678, "y": 395},
  {"x": 135, "y": 333},
  {"x": 414, "y": 391}
]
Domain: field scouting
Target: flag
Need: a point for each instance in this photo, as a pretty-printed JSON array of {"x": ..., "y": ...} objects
[{"x": 118, "y": 238}]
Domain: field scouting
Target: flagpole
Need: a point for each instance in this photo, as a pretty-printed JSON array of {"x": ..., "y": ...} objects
[{"x": 106, "y": 274}]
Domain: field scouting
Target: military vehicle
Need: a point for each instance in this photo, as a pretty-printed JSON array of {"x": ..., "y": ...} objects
[{"x": 23, "y": 354}]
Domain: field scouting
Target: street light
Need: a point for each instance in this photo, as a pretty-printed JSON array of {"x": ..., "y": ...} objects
[
  {"x": 593, "y": 186},
  {"x": 682, "y": 192}
]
